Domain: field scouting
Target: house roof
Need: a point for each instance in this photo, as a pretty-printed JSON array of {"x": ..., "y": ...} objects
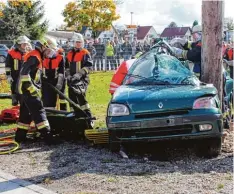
[
  {"x": 175, "y": 31},
  {"x": 61, "y": 34},
  {"x": 142, "y": 32}
]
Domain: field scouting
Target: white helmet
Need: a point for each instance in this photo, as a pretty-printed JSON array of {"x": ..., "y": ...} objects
[
  {"x": 22, "y": 40},
  {"x": 78, "y": 37},
  {"x": 197, "y": 28},
  {"x": 51, "y": 42}
]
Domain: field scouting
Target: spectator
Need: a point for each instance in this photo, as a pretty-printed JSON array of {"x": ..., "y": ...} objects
[
  {"x": 146, "y": 46},
  {"x": 86, "y": 43},
  {"x": 91, "y": 50},
  {"x": 117, "y": 50},
  {"x": 134, "y": 45},
  {"x": 139, "y": 47},
  {"x": 98, "y": 59},
  {"x": 109, "y": 56},
  {"x": 127, "y": 50}
]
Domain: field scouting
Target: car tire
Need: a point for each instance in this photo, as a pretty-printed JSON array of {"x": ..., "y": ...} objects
[
  {"x": 113, "y": 145},
  {"x": 209, "y": 148},
  {"x": 2, "y": 59}
]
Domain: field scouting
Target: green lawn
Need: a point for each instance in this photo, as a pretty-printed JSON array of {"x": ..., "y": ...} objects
[{"x": 98, "y": 97}]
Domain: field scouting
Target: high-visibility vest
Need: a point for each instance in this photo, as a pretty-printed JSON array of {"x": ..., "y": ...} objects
[
  {"x": 34, "y": 53},
  {"x": 119, "y": 75},
  {"x": 17, "y": 57}
]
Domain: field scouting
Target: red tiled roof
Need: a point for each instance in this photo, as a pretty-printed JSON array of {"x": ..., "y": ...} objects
[
  {"x": 142, "y": 32},
  {"x": 175, "y": 31}
]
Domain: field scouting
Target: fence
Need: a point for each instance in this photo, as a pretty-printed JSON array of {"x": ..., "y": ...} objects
[{"x": 103, "y": 60}]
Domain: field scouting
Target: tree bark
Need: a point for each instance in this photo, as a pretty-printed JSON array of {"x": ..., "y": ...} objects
[{"x": 212, "y": 27}]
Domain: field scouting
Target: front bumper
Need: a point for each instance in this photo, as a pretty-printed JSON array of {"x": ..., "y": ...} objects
[{"x": 186, "y": 127}]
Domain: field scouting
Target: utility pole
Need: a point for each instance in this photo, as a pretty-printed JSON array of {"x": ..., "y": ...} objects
[
  {"x": 131, "y": 17},
  {"x": 212, "y": 30}
]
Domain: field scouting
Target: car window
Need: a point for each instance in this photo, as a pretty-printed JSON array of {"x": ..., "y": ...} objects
[{"x": 154, "y": 68}]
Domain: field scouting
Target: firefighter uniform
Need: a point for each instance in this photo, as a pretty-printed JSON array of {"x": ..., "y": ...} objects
[
  {"x": 228, "y": 55},
  {"x": 14, "y": 62},
  {"x": 53, "y": 72},
  {"x": 78, "y": 66},
  {"x": 31, "y": 108}
]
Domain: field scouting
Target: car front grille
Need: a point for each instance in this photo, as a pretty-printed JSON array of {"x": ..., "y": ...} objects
[
  {"x": 155, "y": 132},
  {"x": 161, "y": 114}
]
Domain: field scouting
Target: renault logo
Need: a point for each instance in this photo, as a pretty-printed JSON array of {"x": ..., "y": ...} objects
[{"x": 160, "y": 104}]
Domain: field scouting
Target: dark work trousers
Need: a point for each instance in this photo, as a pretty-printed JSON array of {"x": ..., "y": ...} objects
[
  {"x": 14, "y": 96},
  {"x": 80, "y": 98},
  {"x": 98, "y": 60},
  {"x": 31, "y": 109},
  {"x": 49, "y": 96}
]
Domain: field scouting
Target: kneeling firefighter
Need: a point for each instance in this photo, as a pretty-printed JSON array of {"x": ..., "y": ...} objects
[
  {"x": 13, "y": 65},
  {"x": 53, "y": 73},
  {"x": 31, "y": 107},
  {"x": 78, "y": 66}
]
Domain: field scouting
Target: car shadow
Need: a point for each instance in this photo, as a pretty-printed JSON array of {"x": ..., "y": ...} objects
[{"x": 69, "y": 159}]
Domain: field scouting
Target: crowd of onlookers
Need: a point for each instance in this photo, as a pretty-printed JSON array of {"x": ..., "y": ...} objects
[{"x": 109, "y": 54}]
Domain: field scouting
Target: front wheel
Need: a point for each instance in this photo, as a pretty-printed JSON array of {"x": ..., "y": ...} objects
[{"x": 209, "y": 148}]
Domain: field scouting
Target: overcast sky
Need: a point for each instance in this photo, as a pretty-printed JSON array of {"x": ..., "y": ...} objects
[{"x": 158, "y": 13}]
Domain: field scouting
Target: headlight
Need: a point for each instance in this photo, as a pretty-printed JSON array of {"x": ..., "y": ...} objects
[
  {"x": 206, "y": 102},
  {"x": 117, "y": 110}
]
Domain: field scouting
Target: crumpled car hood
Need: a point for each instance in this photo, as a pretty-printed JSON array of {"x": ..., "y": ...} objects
[{"x": 160, "y": 98}]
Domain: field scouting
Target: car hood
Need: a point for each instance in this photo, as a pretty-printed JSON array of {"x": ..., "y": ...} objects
[{"x": 160, "y": 98}]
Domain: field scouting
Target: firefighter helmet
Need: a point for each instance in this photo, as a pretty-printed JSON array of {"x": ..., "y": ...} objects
[
  {"x": 51, "y": 42},
  {"x": 22, "y": 40}
]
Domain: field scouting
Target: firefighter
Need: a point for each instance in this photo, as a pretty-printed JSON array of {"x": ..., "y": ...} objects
[
  {"x": 53, "y": 73},
  {"x": 14, "y": 62},
  {"x": 191, "y": 51},
  {"x": 228, "y": 59},
  {"x": 78, "y": 66},
  {"x": 31, "y": 107}
]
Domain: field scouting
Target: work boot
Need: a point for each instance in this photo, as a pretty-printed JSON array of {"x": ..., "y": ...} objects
[
  {"x": 48, "y": 137},
  {"x": 20, "y": 135},
  {"x": 14, "y": 100}
]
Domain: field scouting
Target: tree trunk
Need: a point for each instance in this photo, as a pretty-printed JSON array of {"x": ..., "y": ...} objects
[{"x": 212, "y": 27}]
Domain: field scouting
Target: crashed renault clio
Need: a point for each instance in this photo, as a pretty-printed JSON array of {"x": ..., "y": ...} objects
[{"x": 161, "y": 99}]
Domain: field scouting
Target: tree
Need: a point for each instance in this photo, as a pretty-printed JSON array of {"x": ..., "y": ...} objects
[
  {"x": 96, "y": 15},
  {"x": 172, "y": 25},
  {"x": 212, "y": 22},
  {"x": 23, "y": 17},
  {"x": 195, "y": 23}
]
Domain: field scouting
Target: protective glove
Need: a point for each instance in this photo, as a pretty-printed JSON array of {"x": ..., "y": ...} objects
[
  {"x": 177, "y": 52},
  {"x": 77, "y": 76},
  {"x": 59, "y": 84},
  {"x": 9, "y": 79}
]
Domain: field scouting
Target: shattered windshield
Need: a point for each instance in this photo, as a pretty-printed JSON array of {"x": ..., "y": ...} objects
[{"x": 161, "y": 69}]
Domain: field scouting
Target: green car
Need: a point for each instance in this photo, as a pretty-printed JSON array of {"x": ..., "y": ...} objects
[{"x": 161, "y": 99}]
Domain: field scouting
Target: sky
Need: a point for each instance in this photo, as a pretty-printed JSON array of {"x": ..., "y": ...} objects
[{"x": 158, "y": 13}]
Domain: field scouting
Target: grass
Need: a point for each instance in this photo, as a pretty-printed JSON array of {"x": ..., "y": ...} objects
[{"x": 98, "y": 97}]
